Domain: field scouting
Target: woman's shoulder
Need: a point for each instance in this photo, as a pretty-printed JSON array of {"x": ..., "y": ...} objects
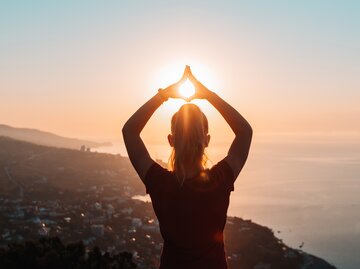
[
  {"x": 223, "y": 174},
  {"x": 222, "y": 166},
  {"x": 157, "y": 169},
  {"x": 155, "y": 174}
]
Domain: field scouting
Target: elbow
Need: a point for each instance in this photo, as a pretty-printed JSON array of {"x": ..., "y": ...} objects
[
  {"x": 248, "y": 133},
  {"x": 125, "y": 129},
  {"x": 245, "y": 131},
  {"x": 128, "y": 130},
  {"x": 250, "y": 130}
]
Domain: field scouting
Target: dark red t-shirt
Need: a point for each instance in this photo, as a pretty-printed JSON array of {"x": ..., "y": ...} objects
[{"x": 192, "y": 217}]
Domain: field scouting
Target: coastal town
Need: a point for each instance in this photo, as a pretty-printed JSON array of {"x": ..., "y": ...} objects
[{"x": 83, "y": 196}]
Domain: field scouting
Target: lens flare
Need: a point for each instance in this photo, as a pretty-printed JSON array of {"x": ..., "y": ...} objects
[{"x": 187, "y": 89}]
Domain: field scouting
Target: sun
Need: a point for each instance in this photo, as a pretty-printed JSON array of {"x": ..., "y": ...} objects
[{"x": 187, "y": 89}]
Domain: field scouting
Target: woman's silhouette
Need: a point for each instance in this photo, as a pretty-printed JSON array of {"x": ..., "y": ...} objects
[{"x": 190, "y": 201}]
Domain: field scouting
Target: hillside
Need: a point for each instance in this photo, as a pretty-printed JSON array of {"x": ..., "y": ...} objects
[
  {"x": 46, "y": 138},
  {"x": 87, "y": 196}
]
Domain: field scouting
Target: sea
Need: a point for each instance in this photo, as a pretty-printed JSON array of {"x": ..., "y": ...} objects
[{"x": 305, "y": 187}]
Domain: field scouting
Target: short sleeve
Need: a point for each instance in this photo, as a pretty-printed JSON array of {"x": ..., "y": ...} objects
[
  {"x": 153, "y": 176},
  {"x": 224, "y": 175}
]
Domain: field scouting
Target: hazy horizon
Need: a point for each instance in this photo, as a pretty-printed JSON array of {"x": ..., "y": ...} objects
[{"x": 310, "y": 136}]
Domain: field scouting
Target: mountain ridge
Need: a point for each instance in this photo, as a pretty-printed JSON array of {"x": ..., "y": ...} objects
[{"x": 47, "y": 138}]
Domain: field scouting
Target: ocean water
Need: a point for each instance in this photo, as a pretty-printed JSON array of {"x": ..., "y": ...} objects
[{"x": 305, "y": 187}]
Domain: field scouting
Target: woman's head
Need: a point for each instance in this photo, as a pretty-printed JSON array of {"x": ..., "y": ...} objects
[{"x": 189, "y": 138}]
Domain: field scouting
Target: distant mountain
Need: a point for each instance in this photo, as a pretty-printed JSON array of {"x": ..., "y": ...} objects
[{"x": 46, "y": 138}]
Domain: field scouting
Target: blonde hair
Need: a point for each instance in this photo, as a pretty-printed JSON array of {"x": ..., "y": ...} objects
[{"x": 189, "y": 127}]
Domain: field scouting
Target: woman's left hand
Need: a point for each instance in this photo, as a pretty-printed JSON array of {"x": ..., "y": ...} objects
[{"x": 172, "y": 91}]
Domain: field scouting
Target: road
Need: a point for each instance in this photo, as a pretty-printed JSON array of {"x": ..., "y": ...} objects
[{"x": 12, "y": 180}]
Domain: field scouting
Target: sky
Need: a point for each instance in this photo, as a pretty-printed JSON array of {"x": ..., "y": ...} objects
[{"x": 81, "y": 68}]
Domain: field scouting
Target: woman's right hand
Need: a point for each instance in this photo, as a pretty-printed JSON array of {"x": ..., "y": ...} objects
[{"x": 201, "y": 92}]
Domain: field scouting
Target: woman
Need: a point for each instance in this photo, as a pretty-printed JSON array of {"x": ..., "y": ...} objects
[{"x": 189, "y": 200}]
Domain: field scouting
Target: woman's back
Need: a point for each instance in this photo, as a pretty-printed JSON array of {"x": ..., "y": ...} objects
[{"x": 192, "y": 216}]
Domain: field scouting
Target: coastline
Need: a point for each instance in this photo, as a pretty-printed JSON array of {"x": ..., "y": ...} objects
[{"x": 297, "y": 190}]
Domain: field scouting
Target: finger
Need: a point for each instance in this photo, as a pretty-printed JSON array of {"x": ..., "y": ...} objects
[
  {"x": 185, "y": 74},
  {"x": 193, "y": 80},
  {"x": 187, "y": 99},
  {"x": 187, "y": 70},
  {"x": 190, "y": 98},
  {"x": 191, "y": 76}
]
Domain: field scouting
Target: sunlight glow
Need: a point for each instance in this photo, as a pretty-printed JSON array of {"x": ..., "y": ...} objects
[
  {"x": 187, "y": 89},
  {"x": 172, "y": 72}
]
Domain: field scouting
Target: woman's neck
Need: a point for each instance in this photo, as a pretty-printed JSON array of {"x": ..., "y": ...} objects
[{"x": 193, "y": 170}]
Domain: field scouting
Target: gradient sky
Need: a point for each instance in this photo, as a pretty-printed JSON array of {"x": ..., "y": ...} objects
[{"x": 81, "y": 68}]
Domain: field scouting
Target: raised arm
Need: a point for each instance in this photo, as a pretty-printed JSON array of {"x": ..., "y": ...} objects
[
  {"x": 138, "y": 154},
  {"x": 239, "y": 148}
]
